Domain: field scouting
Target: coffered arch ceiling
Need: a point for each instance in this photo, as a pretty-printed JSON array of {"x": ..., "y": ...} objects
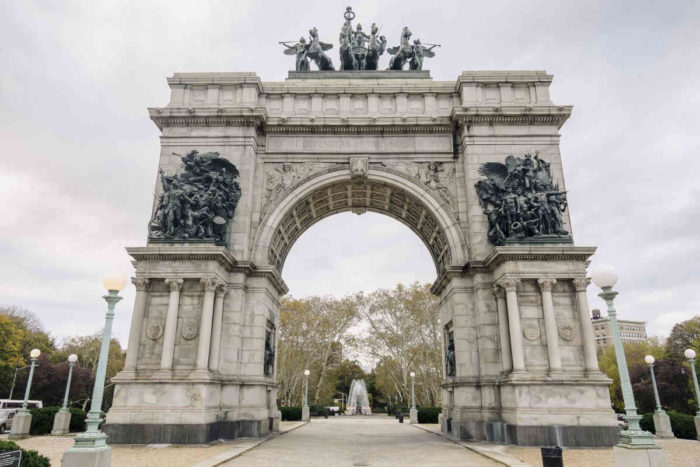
[{"x": 376, "y": 194}]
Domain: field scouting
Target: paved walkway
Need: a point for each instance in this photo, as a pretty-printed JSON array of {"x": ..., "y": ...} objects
[{"x": 359, "y": 441}]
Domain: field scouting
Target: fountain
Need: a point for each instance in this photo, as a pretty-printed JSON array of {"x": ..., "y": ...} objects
[{"x": 358, "y": 401}]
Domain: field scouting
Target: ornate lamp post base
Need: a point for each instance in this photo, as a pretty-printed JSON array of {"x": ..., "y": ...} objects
[
  {"x": 20, "y": 425},
  {"x": 89, "y": 456},
  {"x": 662, "y": 425},
  {"x": 61, "y": 423}
]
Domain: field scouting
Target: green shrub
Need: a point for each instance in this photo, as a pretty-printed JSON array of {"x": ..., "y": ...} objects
[
  {"x": 42, "y": 420},
  {"x": 682, "y": 424},
  {"x": 647, "y": 422},
  {"x": 428, "y": 414},
  {"x": 290, "y": 414},
  {"x": 29, "y": 458},
  {"x": 77, "y": 420}
]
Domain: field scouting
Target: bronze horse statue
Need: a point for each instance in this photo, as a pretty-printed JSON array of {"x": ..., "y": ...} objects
[
  {"x": 403, "y": 53},
  {"x": 316, "y": 51},
  {"x": 375, "y": 50}
]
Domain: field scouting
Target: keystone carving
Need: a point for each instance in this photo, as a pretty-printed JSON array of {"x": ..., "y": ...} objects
[{"x": 359, "y": 167}]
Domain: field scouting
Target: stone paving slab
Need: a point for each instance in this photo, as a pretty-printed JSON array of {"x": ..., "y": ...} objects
[{"x": 359, "y": 441}]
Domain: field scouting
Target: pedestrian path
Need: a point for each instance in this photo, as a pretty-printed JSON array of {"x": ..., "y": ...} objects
[{"x": 359, "y": 441}]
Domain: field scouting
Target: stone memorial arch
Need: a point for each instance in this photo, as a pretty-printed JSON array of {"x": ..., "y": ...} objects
[{"x": 472, "y": 166}]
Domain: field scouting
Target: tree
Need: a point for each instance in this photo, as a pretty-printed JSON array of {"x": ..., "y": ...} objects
[
  {"x": 404, "y": 336},
  {"x": 312, "y": 336},
  {"x": 683, "y": 336}
]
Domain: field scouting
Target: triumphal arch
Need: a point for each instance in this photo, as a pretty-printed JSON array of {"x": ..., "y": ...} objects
[{"x": 471, "y": 165}]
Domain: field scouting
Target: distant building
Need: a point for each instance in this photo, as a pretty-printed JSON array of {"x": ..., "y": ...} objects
[{"x": 630, "y": 331}]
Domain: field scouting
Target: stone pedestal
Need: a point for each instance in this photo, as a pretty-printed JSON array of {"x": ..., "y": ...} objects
[
  {"x": 20, "y": 425},
  {"x": 697, "y": 426},
  {"x": 639, "y": 457},
  {"x": 305, "y": 416},
  {"x": 88, "y": 457},
  {"x": 662, "y": 425},
  {"x": 61, "y": 423},
  {"x": 414, "y": 415}
]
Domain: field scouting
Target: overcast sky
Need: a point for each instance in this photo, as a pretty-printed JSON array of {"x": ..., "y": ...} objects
[{"x": 79, "y": 153}]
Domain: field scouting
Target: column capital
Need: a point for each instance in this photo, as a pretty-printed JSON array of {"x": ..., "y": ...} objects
[
  {"x": 141, "y": 283},
  {"x": 581, "y": 283},
  {"x": 221, "y": 289},
  {"x": 498, "y": 291},
  {"x": 509, "y": 283},
  {"x": 546, "y": 284},
  {"x": 210, "y": 283},
  {"x": 174, "y": 284}
]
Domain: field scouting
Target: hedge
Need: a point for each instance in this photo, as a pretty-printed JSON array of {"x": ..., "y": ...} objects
[
  {"x": 42, "y": 420},
  {"x": 29, "y": 458},
  {"x": 428, "y": 414},
  {"x": 290, "y": 414},
  {"x": 682, "y": 424}
]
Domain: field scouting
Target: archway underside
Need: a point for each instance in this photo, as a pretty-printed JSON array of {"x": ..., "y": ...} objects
[{"x": 360, "y": 197}]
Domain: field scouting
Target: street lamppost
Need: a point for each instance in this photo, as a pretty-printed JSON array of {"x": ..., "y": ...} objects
[
  {"x": 690, "y": 355},
  {"x": 61, "y": 422},
  {"x": 413, "y": 412},
  {"x": 14, "y": 380},
  {"x": 91, "y": 447},
  {"x": 23, "y": 418},
  {"x": 662, "y": 424},
  {"x": 636, "y": 446},
  {"x": 305, "y": 415}
]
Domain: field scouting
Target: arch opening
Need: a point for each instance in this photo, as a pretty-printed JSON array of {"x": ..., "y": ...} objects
[{"x": 370, "y": 195}]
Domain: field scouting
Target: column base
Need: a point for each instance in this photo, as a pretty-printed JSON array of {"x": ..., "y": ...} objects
[
  {"x": 662, "y": 425},
  {"x": 413, "y": 413},
  {"x": 87, "y": 457},
  {"x": 20, "y": 425},
  {"x": 305, "y": 414},
  {"x": 61, "y": 423},
  {"x": 639, "y": 457}
]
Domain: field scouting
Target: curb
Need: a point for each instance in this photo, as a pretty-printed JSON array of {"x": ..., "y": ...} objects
[
  {"x": 240, "y": 450},
  {"x": 503, "y": 459}
]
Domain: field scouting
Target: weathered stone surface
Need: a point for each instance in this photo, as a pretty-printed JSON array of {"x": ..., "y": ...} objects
[{"x": 393, "y": 142}]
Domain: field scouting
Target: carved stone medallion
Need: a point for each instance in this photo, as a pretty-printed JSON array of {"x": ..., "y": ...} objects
[
  {"x": 567, "y": 331},
  {"x": 189, "y": 330},
  {"x": 531, "y": 332},
  {"x": 154, "y": 331}
]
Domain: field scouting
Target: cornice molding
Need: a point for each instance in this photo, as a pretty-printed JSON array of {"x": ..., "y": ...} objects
[
  {"x": 512, "y": 115},
  {"x": 220, "y": 254}
]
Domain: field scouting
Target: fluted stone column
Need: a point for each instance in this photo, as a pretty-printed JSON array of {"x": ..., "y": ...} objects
[
  {"x": 516, "y": 333},
  {"x": 210, "y": 285},
  {"x": 550, "y": 324},
  {"x": 166, "y": 358},
  {"x": 215, "y": 347},
  {"x": 506, "y": 355},
  {"x": 132, "y": 350},
  {"x": 589, "y": 353}
]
